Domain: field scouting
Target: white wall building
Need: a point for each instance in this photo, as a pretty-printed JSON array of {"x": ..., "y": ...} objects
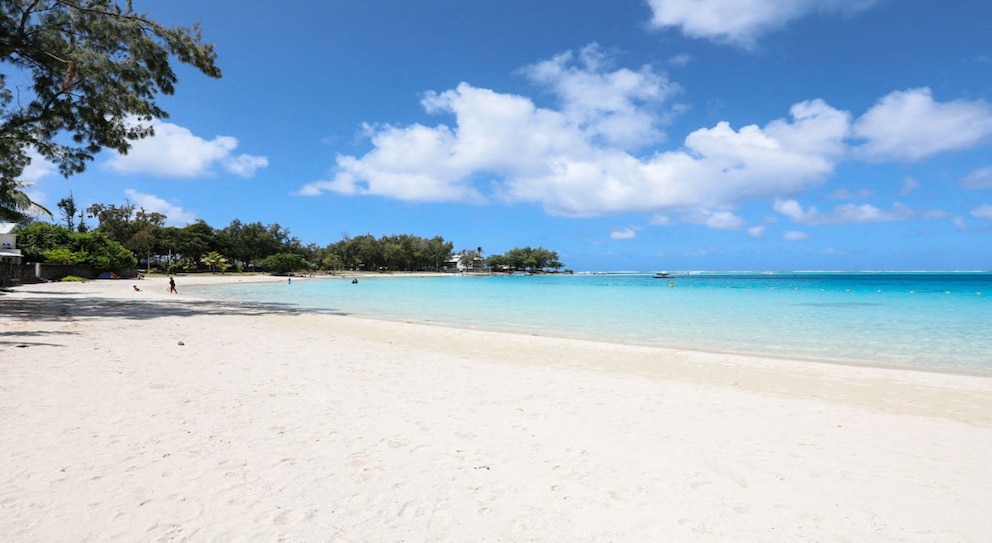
[{"x": 9, "y": 253}]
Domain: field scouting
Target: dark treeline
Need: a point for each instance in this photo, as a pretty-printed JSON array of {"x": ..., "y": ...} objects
[
  {"x": 395, "y": 253},
  {"x": 131, "y": 235},
  {"x": 525, "y": 259}
]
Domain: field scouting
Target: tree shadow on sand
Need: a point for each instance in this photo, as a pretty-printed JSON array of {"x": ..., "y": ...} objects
[
  {"x": 61, "y": 306},
  {"x": 21, "y": 341},
  {"x": 61, "y": 309}
]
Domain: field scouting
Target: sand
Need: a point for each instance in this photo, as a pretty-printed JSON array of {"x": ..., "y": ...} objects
[{"x": 144, "y": 416}]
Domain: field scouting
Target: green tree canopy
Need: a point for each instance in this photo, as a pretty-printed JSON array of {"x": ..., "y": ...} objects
[
  {"x": 38, "y": 237},
  {"x": 80, "y": 76},
  {"x": 114, "y": 221},
  {"x": 525, "y": 258},
  {"x": 56, "y": 244},
  {"x": 270, "y": 247},
  {"x": 398, "y": 252},
  {"x": 285, "y": 263},
  {"x": 194, "y": 240},
  {"x": 69, "y": 210},
  {"x": 250, "y": 243}
]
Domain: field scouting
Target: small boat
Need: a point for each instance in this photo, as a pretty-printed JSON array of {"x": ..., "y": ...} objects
[{"x": 662, "y": 275}]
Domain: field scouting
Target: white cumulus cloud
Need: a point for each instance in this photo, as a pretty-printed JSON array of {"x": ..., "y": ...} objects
[
  {"x": 575, "y": 160},
  {"x": 909, "y": 186},
  {"x": 623, "y": 233},
  {"x": 911, "y": 125},
  {"x": 175, "y": 215},
  {"x": 843, "y": 214},
  {"x": 979, "y": 179},
  {"x": 579, "y": 158},
  {"x": 660, "y": 220},
  {"x": 38, "y": 168},
  {"x": 741, "y": 22},
  {"x": 983, "y": 211},
  {"x": 718, "y": 220},
  {"x": 174, "y": 151},
  {"x": 605, "y": 105}
]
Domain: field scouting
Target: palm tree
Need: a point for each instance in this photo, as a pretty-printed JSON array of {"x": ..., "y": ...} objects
[
  {"x": 15, "y": 204},
  {"x": 213, "y": 258}
]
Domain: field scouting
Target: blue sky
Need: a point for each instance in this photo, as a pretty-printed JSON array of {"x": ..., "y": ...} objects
[{"x": 626, "y": 135}]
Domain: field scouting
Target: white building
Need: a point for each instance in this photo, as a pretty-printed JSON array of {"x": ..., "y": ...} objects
[
  {"x": 458, "y": 262},
  {"x": 9, "y": 253}
]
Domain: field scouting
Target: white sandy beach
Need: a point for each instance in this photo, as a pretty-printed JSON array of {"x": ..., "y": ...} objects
[{"x": 144, "y": 416}]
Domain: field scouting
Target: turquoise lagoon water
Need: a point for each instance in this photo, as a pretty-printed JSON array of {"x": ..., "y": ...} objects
[{"x": 931, "y": 321}]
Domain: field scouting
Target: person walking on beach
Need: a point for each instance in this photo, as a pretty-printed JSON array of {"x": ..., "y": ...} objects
[{"x": 172, "y": 286}]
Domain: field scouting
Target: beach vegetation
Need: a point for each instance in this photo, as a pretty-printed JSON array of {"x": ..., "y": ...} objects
[
  {"x": 115, "y": 222},
  {"x": 172, "y": 248},
  {"x": 216, "y": 261},
  {"x": 56, "y": 244},
  {"x": 527, "y": 259},
  {"x": 64, "y": 255},
  {"x": 15, "y": 204},
  {"x": 182, "y": 248},
  {"x": 79, "y": 77},
  {"x": 471, "y": 259},
  {"x": 253, "y": 246},
  {"x": 249, "y": 243},
  {"x": 282, "y": 263},
  {"x": 134, "y": 227},
  {"x": 72, "y": 279},
  {"x": 104, "y": 253},
  {"x": 402, "y": 252},
  {"x": 70, "y": 211}
]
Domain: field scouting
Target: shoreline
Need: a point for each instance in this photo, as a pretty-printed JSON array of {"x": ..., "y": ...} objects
[
  {"x": 140, "y": 415},
  {"x": 682, "y": 362},
  {"x": 200, "y": 279}
]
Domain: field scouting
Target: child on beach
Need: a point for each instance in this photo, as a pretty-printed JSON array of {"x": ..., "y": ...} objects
[{"x": 172, "y": 286}]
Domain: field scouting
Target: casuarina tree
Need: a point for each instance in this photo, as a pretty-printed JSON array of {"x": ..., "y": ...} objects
[{"x": 80, "y": 76}]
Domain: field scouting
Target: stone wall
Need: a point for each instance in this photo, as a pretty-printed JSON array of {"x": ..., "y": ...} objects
[{"x": 16, "y": 274}]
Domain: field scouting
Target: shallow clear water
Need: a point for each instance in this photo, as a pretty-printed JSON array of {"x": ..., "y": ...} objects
[{"x": 935, "y": 321}]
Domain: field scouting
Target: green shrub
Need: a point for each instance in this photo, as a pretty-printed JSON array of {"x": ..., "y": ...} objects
[{"x": 57, "y": 245}]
